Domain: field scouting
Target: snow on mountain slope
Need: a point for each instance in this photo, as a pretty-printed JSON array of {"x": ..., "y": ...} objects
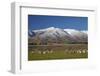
[
  {"x": 60, "y": 34},
  {"x": 85, "y": 32},
  {"x": 77, "y": 35}
]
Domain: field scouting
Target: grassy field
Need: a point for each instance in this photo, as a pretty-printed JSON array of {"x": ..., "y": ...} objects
[{"x": 49, "y": 52}]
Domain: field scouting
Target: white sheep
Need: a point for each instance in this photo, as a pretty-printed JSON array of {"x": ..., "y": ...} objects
[
  {"x": 32, "y": 52},
  {"x": 39, "y": 52},
  {"x": 51, "y": 51},
  {"x": 44, "y": 52},
  {"x": 80, "y": 51},
  {"x": 83, "y": 51}
]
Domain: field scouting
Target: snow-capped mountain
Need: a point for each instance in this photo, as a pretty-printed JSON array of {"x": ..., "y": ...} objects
[
  {"x": 53, "y": 34},
  {"x": 77, "y": 35}
]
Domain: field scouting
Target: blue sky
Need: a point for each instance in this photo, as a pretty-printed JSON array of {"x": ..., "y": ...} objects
[{"x": 36, "y": 22}]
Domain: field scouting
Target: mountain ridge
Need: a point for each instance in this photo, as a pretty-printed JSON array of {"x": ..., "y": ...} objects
[{"x": 57, "y": 35}]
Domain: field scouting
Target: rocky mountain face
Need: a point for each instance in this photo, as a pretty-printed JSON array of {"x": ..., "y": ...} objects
[{"x": 54, "y": 35}]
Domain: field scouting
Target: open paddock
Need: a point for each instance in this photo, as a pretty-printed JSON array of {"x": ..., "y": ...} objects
[{"x": 48, "y": 52}]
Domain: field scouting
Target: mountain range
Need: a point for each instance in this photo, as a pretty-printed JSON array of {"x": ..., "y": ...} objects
[{"x": 57, "y": 35}]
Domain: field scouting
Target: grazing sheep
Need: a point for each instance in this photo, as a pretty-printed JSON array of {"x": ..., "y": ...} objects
[
  {"x": 47, "y": 51},
  {"x": 51, "y": 51},
  {"x": 66, "y": 51},
  {"x": 77, "y": 51},
  {"x": 83, "y": 51},
  {"x": 80, "y": 51},
  {"x": 32, "y": 52},
  {"x": 39, "y": 52},
  {"x": 44, "y": 52}
]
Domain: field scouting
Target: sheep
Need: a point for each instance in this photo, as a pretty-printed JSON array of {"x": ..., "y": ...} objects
[
  {"x": 39, "y": 52},
  {"x": 51, "y": 51},
  {"x": 47, "y": 51},
  {"x": 66, "y": 51},
  {"x": 83, "y": 51},
  {"x": 44, "y": 52},
  {"x": 80, "y": 51},
  {"x": 32, "y": 52}
]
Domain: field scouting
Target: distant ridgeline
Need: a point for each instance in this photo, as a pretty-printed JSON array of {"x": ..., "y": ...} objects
[{"x": 55, "y": 36}]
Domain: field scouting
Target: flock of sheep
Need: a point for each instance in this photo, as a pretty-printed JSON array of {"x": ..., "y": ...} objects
[
  {"x": 80, "y": 51},
  {"x": 42, "y": 52}
]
